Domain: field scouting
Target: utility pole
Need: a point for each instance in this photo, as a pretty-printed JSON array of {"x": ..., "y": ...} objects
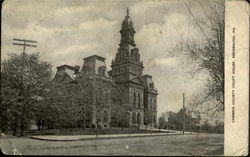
[
  {"x": 184, "y": 114},
  {"x": 24, "y": 43},
  {"x": 29, "y": 43}
]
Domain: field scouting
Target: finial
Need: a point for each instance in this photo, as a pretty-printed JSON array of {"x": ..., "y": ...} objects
[{"x": 127, "y": 11}]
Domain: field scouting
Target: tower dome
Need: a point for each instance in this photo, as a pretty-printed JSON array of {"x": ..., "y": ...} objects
[
  {"x": 127, "y": 31},
  {"x": 127, "y": 22}
]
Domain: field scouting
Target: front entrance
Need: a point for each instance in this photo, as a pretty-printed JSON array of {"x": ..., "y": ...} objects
[{"x": 139, "y": 118}]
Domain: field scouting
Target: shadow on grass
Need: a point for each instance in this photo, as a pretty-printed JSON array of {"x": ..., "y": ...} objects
[{"x": 219, "y": 151}]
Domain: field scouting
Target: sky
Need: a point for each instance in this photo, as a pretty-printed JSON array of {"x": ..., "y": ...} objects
[{"x": 67, "y": 31}]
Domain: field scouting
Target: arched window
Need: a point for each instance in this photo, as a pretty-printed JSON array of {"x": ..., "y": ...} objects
[
  {"x": 105, "y": 116},
  {"x": 139, "y": 118},
  {"x": 154, "y": 104},
  {"x": 151, "y": 85},
  {"x": 134, "y": 102},
  {"x": 134, "y": 118},
  {"x": 139, "y": 100},
  {"x": 101, "y": 71},
  {"x": 150, "y": 104},
  {"x": 132, "y": 56},
  {"x": 154, "y": 120}
]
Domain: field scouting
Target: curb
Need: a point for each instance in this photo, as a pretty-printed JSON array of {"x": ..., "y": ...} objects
[{"x": 102, "y": 138}]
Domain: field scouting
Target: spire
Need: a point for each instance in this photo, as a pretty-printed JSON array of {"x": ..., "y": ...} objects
[
  {"x": 127, "y": 11},
  {"x": 127, "y": 31}
]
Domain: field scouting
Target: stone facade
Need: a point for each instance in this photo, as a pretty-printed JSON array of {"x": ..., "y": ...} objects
[
  {"x": 89, "y": 88},
  {"x": 93, "y": 79},
  {"x": 127, "y": 70}
]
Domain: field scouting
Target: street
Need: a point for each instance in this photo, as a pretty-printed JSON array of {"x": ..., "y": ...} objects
[{"x": 194, "y": 144}]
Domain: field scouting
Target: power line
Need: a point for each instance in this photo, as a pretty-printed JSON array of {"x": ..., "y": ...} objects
[
  {"x": 175, "y": 26},
  {"x": 188, "y": 19},
  {"x": 210, "y": 5},
  {"x": 205, "y": 12},
  {"x": 177, "y": 31},
  {"x": 190, "y": 12},
  {"x": 213, "y": 8}
]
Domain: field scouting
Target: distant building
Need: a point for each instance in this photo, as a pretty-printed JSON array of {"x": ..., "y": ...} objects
[
  {"x": 95, "y": 83},
  {"x": 192, "y": 120}
]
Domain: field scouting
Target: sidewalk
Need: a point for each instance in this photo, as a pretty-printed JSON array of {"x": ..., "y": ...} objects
[
  {"x": 92, "y": 137},
  {"x": 175, "y": 131},
  {"x": 7, "y": 147}
]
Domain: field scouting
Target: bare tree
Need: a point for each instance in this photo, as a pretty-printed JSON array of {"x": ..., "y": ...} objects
[{"x": 207, "y": 56}]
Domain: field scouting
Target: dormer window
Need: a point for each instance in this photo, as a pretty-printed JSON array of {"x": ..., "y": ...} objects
[
  {"x": 151, "y": 85},
  {"x": 101, "y": 71}
]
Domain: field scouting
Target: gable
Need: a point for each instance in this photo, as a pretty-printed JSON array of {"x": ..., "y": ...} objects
[
  {"x": 67, "y": 78},
  {"x": 137, "y": 80}
]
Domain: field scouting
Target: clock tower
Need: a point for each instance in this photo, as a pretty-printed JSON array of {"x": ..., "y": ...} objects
[
  {"x": 127, "y": 69},
  {"x": 127, "y": 64}
]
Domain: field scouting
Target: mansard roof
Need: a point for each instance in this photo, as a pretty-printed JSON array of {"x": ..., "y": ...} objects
[
  {"x": 149, "y": 83},
  {"x": 65, "y": 66},
  {"x": 65, "y": 72},
  {"x": 95, "y": 57},
  {"x": 71, "y": 73}
]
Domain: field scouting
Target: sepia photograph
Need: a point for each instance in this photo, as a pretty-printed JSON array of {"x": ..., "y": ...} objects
[{"x": 112, "y": 77}]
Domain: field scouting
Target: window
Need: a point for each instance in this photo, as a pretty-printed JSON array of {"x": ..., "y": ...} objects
[
  {"x": 105, "y": 116},
  {"x": 139, "y": 101},
  {"x": 149, "y": 104},
  {"x": 139, "y": 118},
  {"x": 101, "y": 71},
  {"x": 134, "y": 118},
  {"x": 134, "y": 99},
  {"x": 151, "y": 85},
  {"x": 132, "y": 55},
  {"x": 154, "y": 121}
]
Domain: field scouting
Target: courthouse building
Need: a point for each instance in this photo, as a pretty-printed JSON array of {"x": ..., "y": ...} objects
[{"x": 92, "y": 85}]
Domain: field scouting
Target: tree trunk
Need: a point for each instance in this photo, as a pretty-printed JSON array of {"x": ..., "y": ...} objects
[
  {"x": 42, "y": 125},
  {"x": 2, "y": 122},
  {"x": 22, "y": 117},
  {"x": 22, "y": 121},
  {"x": 61, "y": 128},
  {"x": 39, "y": 124},
  {"x": 83, "y": 124},
  {"x": 15, "y": 126}
]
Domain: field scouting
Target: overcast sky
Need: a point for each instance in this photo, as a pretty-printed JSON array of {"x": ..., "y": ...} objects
[{"x": 69, "y": 30}]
